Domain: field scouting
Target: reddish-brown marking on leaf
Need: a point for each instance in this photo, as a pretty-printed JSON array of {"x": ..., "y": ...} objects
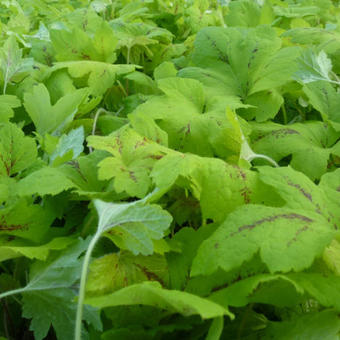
[
  {"x": 12, "y": 227},
  {"x": 138, "y": 144},
  {"x": 298, "y": 232},
  {"x": 272, "y": 219},
  {"x": 303, "y": 191},
  {"x": 277, "y": 134},
  {"x": 85, "y": 56},
  {"x": 188, "y": 129},
  {"x": 245, "y": 192},
  {"x": 132, "y": 176},
  {"x": 150, "y": 275},
  {"x": 157, "y": 157}
]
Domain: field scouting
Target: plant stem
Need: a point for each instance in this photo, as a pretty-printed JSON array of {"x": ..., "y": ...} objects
[{"x": 86, "y": 262}]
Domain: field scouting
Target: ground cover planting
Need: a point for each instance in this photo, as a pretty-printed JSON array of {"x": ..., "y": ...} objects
[{"x": 169, "y": 169}]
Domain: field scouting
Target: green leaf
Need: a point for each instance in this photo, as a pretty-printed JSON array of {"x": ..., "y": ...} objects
[
  {"x": 7, "y": 103},
  {"x": 321, "y": 325},
  {"x": 19, "y": 247},
  {"x": 61, "y": 272},
  {"x": 286, "y": 239},
  {"x": 310, "y": 144},
  {"x": 101, "y": 75},
  {"x": 55, "y": 308},
  {"x": 48, "y": 118},
  {"x": 325, "y": 99},
  {"x": 69, "y": 146},
  {"x": 12, "y": 64},
  {"x": 301, "y": 193},
  {"x": 132, "y": 158},
  {"x": 314, "y": 67},
  {"x": 180, "y": 263},
  {"x": 294, "y": 289},
  {"x": 114, "y": 271},
  {"x": 236, "y": 186},
  {"x": 151, "y": 294},
  {"x": 134, "y": 225},
  {"x": 45, "y": 181},
  {"x": 77, "y": 44},
  {"x": 17, "y": 152},
  {"x": 331, "y": 256},
  {"x": 25, "y": 220},
  {"x": 240, "y": 61}
]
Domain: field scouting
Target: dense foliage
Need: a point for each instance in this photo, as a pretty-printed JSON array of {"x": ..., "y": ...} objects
[{"x": 169, "y": 169}]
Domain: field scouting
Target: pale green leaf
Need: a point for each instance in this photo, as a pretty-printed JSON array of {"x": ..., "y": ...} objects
[{"x": 151, "y": 294}]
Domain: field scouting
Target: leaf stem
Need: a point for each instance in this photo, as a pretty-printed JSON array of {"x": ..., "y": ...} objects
[
  {"x": 12, "y": 292},
  {"x": 95, "y": 119},
  {"x": 81, "y": 298},
  {"x": 270, "y": 160}
]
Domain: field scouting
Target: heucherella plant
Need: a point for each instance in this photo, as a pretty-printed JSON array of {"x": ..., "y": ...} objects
[{"x": 169, "y": 169}]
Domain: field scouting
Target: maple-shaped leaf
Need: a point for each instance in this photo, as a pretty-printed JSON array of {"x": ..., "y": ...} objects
[
  {"x": 117, "y": 270},
  {"x": 52, "y": 118},
  {"x": 219, "y": 186},
  {"x": 310, "y": 144},
  {"x": 17, "y": 151},
  {"x": 101, "y": 75},
  {"x": 152, "y": 294},
  {"x": 299, "y": 192},
  {"x": 78, "y": 44},
  {"x": 132, "y": 158},
  {"x": 192, "y": 123},
  {"x": 7, "y": 104},
  {"x": 287, "y": 240},
  {"x": 244, "y": 63},
  {"x": 12, "y": 64},
  {"x": 135, "y": 39}
]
